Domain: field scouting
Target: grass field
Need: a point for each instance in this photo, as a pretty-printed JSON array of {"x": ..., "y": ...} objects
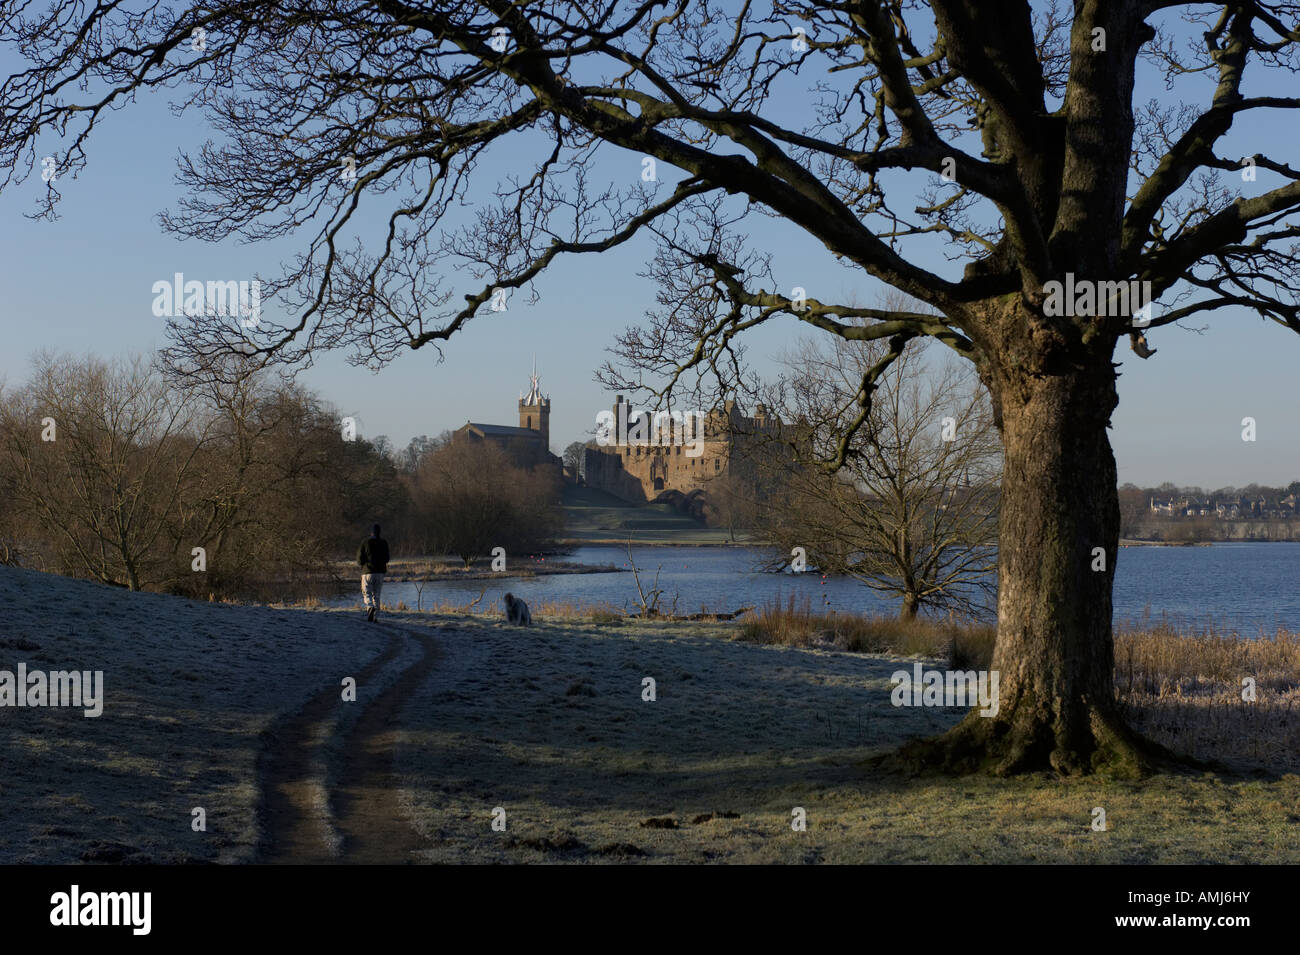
[
  {"x": 550, "y": 726},
  {"x": 595, "y": 517}
]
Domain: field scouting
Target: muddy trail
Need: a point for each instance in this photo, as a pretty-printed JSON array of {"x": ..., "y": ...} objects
[{"x": 358, "y": 820}]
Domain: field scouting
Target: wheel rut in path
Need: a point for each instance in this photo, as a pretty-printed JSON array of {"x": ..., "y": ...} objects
[
  {"x": 370, "y": 815},
  {"x": 304, "y": 823}
]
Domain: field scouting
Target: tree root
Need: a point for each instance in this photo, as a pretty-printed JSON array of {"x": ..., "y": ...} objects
[{"x": 1104, "y": 745}]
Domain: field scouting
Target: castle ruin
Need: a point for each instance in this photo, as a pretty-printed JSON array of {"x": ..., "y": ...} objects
[{"x": 661, "y": 459}]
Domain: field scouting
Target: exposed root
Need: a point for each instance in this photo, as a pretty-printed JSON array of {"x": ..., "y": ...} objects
[{"x": 1104, "y": 745}]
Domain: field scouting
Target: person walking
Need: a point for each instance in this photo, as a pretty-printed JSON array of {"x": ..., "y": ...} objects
[{"x": 373, "y": 558}]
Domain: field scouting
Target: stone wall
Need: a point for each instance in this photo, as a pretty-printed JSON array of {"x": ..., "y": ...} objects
[{"x": 639, "y": 474}]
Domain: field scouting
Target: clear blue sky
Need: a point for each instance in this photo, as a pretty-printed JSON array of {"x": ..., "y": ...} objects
[{"x": 83, "y": 284}]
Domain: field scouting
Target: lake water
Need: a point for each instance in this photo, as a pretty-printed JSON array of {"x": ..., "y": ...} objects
[{"x": 1248, "y": 587}]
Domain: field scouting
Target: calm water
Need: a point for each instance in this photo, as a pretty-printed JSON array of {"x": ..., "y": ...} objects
[{"x": 1243, "y": 586}]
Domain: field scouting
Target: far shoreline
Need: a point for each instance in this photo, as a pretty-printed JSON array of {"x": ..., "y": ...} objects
[
  {"x": 1141, "y": 542},
  {"x": 437, "y": 570}
]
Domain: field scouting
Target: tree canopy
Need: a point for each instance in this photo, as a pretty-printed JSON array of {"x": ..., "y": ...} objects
[{"x": 1025, "y": 111}]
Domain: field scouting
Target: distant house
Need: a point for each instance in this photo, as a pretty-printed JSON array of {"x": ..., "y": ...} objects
[{"x": 1259, "y": 507}]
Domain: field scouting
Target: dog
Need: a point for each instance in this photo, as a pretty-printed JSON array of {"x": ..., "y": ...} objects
[{"x": 517, "y": 611}]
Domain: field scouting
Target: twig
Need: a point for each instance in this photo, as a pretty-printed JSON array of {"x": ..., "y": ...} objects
[{"x": 470, "y": 606}]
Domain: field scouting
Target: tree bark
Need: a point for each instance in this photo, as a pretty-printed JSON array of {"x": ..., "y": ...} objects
[{"x": 1059, "y": 536}]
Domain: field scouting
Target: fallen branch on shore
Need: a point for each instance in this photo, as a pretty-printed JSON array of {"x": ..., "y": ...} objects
[{"x": 469, "y": 607}]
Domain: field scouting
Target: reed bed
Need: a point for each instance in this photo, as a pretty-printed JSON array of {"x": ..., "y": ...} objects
[
  {"x": 1214, "y": 695},
  {"x": 1207, "y": 693}
]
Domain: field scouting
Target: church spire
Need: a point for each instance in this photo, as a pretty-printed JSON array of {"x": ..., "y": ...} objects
[{"x": 534, "y": 391}]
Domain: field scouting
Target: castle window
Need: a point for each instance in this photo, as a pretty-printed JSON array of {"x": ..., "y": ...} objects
[
  {"x": 530, "y": 421},
  {"x": 717, "y": 464}
]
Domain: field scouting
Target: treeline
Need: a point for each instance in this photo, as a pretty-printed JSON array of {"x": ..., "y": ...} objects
[
  {"x": 233, "y": 482},
  {"x": 470, "y": 498},
  {"x": 1248, "y": 492}
]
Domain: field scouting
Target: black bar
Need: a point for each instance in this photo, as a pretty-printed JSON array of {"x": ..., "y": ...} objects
[{"x": 581, "y": 904}]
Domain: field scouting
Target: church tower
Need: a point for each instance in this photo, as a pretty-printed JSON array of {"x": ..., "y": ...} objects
[{"x": 535, "y": 410}]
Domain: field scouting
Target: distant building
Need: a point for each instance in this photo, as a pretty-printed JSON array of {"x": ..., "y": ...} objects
[
  {"x": 643, "y": 471},
  {"x": 1228, "y": 509},
  {"x": 529, "y": 443}
]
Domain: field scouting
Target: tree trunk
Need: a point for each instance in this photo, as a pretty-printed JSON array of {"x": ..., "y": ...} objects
[
  {"x": 1058, "y": 539},
  {"x": 132, "y": 575},
  {"x": 911, "y": 603}
]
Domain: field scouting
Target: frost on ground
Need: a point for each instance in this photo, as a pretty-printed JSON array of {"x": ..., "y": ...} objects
[
  {"x": 188, "y": 687},
  {"x": 549, "y": 724},
  {"x": 552, "y": 725}
]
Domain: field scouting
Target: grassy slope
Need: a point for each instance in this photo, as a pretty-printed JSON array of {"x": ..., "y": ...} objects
[
  {"x": 549, "y": 723},
  {"x": 189, "y": 687},
  {"x": 595, "y": 517}
]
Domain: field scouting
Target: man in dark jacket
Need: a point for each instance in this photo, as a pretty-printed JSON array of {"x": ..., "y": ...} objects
[{"x": 373, "y": 558}]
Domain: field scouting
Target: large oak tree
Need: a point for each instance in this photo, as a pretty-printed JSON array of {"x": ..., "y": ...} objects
[{"x": 820, "y": 113}]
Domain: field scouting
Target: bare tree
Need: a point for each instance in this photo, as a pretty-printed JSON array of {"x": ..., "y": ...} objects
[
  {"x": 649, "y": 599},
  {"x": 732, "y": 499},
  {"x": 409, "y": 458},
  {"x": 913, "y": 512},
  {"x": 471, "y": 497},
  {"x": 111, "y": 471},
  {"x": 17, "y": 539},
  {"x": 1043, "y": 172},
  {"x": 574, "y": 457},
  {"x": 230, "y": 513},
  {"x": 281, "y": 490},
  {"x": 1134, "y": 507},
  {"x": 102, "y": 455}
]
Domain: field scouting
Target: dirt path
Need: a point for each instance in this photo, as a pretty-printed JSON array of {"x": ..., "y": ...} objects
[
  {"x": 360, "y": 822},
  {"x": 370, "y": 816}
]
